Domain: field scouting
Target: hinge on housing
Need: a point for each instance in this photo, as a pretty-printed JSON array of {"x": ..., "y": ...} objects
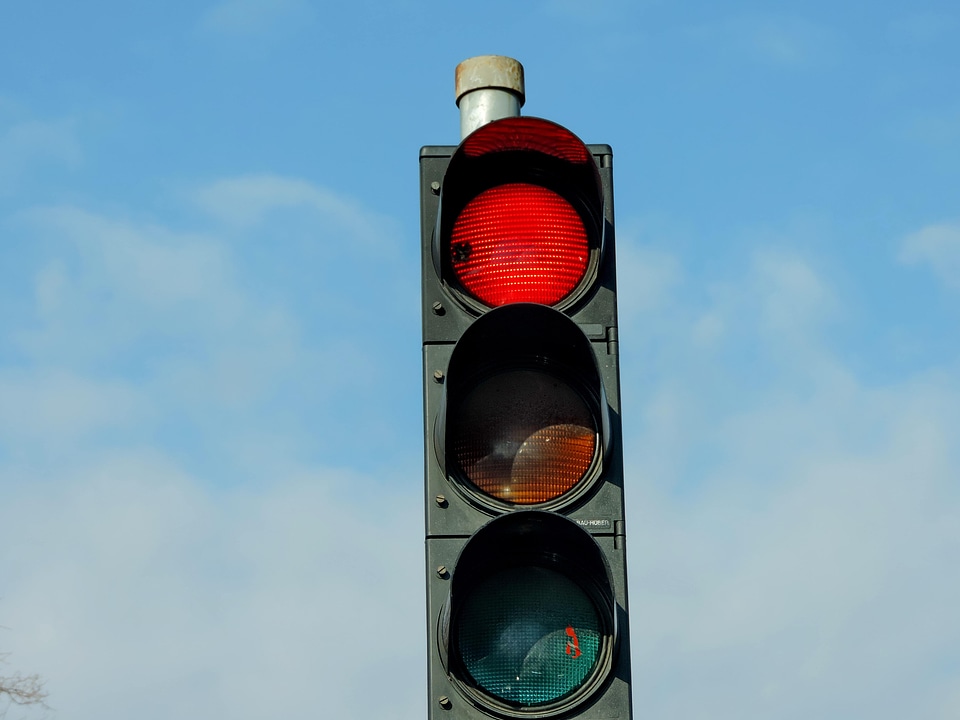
[
  {"x": 613, "y": 341},
  {"x": 619, "y": 534}
]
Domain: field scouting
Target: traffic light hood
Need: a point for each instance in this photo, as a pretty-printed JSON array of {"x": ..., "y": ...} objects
[
  {"x": 521, "y": 216},
  {"x": 524, "y": 418}
]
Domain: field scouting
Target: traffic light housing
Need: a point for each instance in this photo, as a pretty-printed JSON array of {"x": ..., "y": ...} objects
[{"x": 526, "y": 565}]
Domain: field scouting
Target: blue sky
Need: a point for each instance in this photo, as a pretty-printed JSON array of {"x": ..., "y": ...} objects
[{"x": 210, "y": 383}]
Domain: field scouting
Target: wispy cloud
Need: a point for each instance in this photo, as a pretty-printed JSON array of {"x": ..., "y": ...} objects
[
  {"x": 782, "y": 510},
  {"x": 783, "y": 575},
  {"x": 245, "y": 202},
  {"x": 132, "y": 280},
  {"x": 176, "y": 532},
  {"x": 937, "y": 129},
  {"x": 784, "y": 40},
  {"x": 30, "y": 144},
  {"x": 218, "y": 341},
  {"x": 791, "y": 296},
  {"x": 938, "y": 247},
  {"x": 591, "y": 11},
  {"x": 251, "y": 17},
  {"x": 46, "y": 403},
  {"x": 923, "y": 27},
  {"x": 647, "y": 277},
  {"x": 139, "y": 593}
]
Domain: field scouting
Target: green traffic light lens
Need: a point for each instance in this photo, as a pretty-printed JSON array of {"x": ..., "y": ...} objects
[{"x": 529, "y": 636}]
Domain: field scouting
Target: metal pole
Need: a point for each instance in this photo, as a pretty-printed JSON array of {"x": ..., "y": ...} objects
[{"x": 488, "y": 88}]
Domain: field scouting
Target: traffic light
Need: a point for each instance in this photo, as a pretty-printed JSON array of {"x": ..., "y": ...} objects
[{"x": 526, "y": 565}]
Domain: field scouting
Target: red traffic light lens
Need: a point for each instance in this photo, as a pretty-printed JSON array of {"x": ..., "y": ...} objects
[
  {"x": 524, "y": 437},
  {"x": 519, "y": 242},
  {"x": 521, "y": 216}
]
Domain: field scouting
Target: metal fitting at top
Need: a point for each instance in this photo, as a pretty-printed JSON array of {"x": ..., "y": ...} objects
[{"x": 488, "y": 88}]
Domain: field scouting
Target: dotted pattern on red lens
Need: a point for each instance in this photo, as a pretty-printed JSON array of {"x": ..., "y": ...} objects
[
  {"x": 519, "y": 242},
  {"x": 524, "y": 437}
]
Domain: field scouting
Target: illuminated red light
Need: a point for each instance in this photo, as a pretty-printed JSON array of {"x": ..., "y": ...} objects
[{"x": 519, "y": 242}]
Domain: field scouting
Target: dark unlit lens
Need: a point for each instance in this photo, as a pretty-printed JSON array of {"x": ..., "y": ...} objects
[
  {"x": 524, "y": 437},
  {"x": 529, "y": 636}
]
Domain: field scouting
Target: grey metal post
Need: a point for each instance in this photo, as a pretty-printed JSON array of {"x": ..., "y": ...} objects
[{"x": 488, "y": 88}]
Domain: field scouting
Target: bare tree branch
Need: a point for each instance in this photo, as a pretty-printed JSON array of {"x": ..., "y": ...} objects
[{"x": 18, "y": 689}]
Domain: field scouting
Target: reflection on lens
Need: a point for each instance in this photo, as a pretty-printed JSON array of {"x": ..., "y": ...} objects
[
  {"x": 524, "y": 437},
  {"x": 528, "y": 636}
]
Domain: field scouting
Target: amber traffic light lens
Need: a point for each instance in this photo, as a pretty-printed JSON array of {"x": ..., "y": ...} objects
[
  {"x": 519, "y": 242},
  {"x": 524, "y": 437}
]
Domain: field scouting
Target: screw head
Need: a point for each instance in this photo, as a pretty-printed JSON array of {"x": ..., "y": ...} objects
[
  {"x": 438, "y": 376},
  {"x": 435, "y": 187},
  {"x": 445, "y": 702},
  {"x": 441, "y": 501},
  {"x": 442, "y": 571},
  {"x": 438, "y": 308}
]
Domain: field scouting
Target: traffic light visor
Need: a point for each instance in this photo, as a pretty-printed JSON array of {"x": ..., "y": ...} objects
[
  {"x": 523, "y": 419},
  {"x": 530, "y": 623},
  {"x": 521, "y": 215}
]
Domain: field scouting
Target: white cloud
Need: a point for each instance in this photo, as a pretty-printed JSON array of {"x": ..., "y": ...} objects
[
  {"x": 819, "y": 548},
  {"x": 646, "y": 277},
  {"x": 792, "y": 540},
  {"x": 937, "y": 130},
  {"x": 108, "y": 287},
  {"x": 789, "y": 41},
  {"x": 147, "y": 264},
  {"x": 783, "y": 40},
  {"x": 29, "y": 144},
  {"x": 44, "y": 403},
  {"x": 709, "y": 328},
  {"x": 937, "y": 246},
  {"x": 793, "y": 530},
  {"x": 249, "y": 17},
  {"x": 248, "y": 319},
  {"x": 922, "y": 28},
  {"x": 792, "y": 298},
  {"x": 137, "y": 593},
  {"x": 779, "y": 299},
  {"x": 246, "y": 202},
  {"x": 595, "y": 11},
  {"x": 175, "y": 537}
]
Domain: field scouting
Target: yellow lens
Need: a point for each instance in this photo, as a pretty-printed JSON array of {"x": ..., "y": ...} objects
[{"x": 524, "y": 437}]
